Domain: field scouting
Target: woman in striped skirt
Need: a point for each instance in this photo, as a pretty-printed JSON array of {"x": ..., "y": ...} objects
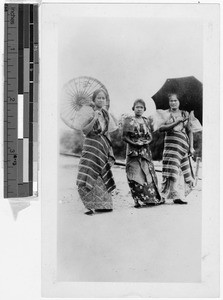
[
  {"x": 178, "y": 144},
  {"x": 95, "y": 180}
]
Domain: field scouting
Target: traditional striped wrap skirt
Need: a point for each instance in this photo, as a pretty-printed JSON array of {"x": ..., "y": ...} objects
[
  {"x": 175, "y": 156},
  {"x": 95, "y": 180}
]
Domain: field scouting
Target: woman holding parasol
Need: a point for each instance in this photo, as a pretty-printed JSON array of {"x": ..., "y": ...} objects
[
  {"x": 84, "y": 107},
  {"x": 178, "y": 144},
  {"x": 95, "y": 180},
  {"x": 140, "y": 170}
]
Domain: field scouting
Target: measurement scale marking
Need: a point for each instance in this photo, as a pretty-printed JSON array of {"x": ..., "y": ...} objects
[
  {"x": 21, "y": 72},
  {"x": 11, "y": 159}
]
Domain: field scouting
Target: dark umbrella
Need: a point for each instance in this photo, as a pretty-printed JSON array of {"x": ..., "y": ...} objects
[{"x": 189, "y": 91}]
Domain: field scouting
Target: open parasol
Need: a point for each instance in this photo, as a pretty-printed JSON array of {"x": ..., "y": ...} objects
[
  {"x": 189, "y": 91},
  {"x": 76, "y": 100}
]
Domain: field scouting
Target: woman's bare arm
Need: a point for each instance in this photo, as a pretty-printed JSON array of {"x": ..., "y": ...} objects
[
  {"x": 129, "y": 141},
  {"x": 89, "y": 126},
  {"x": 191, "y": 138},
  {"x": 167, "y": 127}
]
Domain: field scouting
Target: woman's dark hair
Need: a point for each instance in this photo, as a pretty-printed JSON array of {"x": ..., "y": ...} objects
[
  {"x": 170, "y": 94},
  {"x": 96, "y": 92},
  {"x": 139, "y": 101}
]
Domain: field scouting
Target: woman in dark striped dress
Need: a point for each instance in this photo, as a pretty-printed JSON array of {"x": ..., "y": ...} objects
[
  {"x": 178, "y": 144},
  {"x": 95, "y": 180}
]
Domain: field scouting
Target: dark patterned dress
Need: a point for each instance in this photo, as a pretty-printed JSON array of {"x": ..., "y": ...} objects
[{"x": 140, "y": 170}]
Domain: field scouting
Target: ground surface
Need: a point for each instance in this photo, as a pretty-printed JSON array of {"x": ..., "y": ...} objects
[{"x": 150, "y": 244}]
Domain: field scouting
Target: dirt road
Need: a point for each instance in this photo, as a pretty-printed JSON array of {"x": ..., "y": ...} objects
[{"x": 151, "y": 244}]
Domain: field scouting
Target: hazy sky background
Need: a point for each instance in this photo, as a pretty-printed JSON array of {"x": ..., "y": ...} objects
[{"x": 132, "y": 57}]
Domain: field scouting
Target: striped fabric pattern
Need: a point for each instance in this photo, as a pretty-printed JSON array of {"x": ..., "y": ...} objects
[
  {"x": 175, "y": 156},
  {"x": 96, "y": 198},
  {"x": 94, "y": 162}
]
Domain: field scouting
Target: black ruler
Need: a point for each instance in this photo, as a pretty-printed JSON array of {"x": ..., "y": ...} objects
[{"x": 21, "y": 72}]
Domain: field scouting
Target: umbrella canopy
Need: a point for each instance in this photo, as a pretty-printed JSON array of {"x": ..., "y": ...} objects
[
  {"x": 189, "y": 91},
  {"x": 76, "y": 100}
]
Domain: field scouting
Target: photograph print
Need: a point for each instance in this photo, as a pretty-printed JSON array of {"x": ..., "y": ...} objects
[
  {"x": 131, "y": 112},
  {"x": 130, "y": 162}
]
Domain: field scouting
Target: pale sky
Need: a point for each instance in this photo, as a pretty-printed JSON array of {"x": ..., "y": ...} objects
[{"x": 132, "y": 57}]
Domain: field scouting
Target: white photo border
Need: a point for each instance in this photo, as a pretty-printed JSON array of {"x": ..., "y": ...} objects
[{"x": 209, "y": 287}]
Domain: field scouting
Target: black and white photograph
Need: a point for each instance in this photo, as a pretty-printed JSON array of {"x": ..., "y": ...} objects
[
  {"x": 123, "y": 152},
  {"x": 110, "y": 149},
  {"x": 126, "y": 149}
]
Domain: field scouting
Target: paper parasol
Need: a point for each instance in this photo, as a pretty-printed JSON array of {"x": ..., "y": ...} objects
[{"x": 76, "y": 101}]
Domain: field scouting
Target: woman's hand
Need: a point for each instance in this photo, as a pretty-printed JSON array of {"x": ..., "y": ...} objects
[
  {"x": 142, "y": 143},
  {"x": 139, "y": 143},
  {"x": 191, "y": 151},
  {"x": 146, "y": 142},
  {"x": 111, "y": 161},
  {"x": 96, "y": 114},
  {"x": 181, "y": 119}
]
